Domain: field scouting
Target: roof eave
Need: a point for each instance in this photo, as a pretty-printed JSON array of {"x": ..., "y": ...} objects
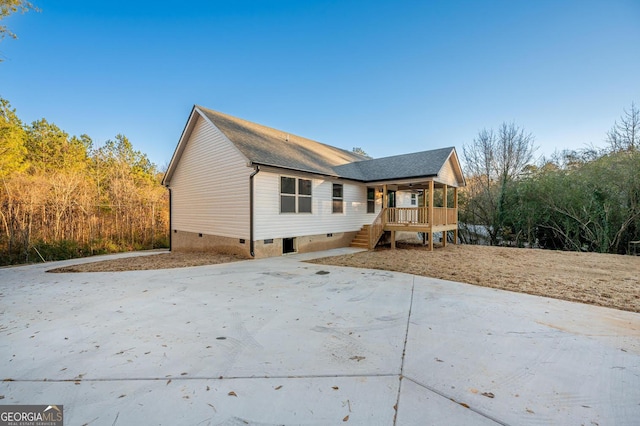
[
  {"x": 400, "y": 179},
  {"x": 177, "y": 153},
  {"x": 291, "y": 169}
]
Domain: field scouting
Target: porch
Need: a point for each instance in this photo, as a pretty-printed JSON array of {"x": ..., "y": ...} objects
[{"x": 427, "y": 218}]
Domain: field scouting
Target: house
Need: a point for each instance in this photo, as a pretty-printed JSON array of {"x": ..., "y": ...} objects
[{"x": 240, "y": 187}]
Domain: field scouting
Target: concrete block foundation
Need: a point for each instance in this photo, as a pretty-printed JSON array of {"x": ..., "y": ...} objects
[{"x": 193, "y": 241}]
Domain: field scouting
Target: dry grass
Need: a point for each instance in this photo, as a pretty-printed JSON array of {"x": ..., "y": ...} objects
[
  {"x": 600, "y": 279},
  {"x": 155, "y": 261}
]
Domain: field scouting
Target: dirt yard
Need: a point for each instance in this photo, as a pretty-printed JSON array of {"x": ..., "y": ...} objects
[
  {"x": 154, "y": 261},
  {"x": 600, "y": 279}
]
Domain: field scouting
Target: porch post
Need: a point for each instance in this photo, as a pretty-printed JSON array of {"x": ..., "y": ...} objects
[
  {"x": 430, "y": 215},
  {"x": 444, "y": 205},
  {"x": 455, "y": 206},
  {"x": 423, "y": 217},
  {"x": 385, "y": 201}
]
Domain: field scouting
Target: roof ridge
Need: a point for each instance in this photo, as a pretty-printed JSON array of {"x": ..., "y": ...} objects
[
  {"x": 273, "y": 129},
  {"x": 268, "y": 146},
  {"x": 422, "y": 163},
  {"x": 447, "y": 148}
]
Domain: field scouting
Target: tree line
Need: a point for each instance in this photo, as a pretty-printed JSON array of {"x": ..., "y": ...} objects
[
  {"x": 585, "y": 200},
  {"x": 61, "y": 197}
]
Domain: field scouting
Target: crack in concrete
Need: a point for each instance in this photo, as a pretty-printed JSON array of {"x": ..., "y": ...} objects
[
  {"x": 402, "y": 376},
  {"x": 176, "y": 379},
  {"x": 404, "y": 351},
  {"x": 443, "y": 395}
]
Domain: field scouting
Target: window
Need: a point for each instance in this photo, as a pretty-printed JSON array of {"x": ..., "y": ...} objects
[
  {"x": 295, "y": 197},
  {"x": 287, "y": 195},
  {"x": 337, "y": 198},
  {"x": 414, "y": 199},
  {"x": 371, "y": 200},
  {"x": 304, "y": 196}
]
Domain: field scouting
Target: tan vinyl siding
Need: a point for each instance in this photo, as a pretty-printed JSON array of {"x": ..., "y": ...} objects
[
  {"x": 210, "y": 186},
  {"x": 270, "y": 223},
  {"x": 447, "y": 174}
]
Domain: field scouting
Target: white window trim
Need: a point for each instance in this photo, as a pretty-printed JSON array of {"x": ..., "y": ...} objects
[
  {"x": 296, "y": 195},
  {"x": 334, "y": 199}
]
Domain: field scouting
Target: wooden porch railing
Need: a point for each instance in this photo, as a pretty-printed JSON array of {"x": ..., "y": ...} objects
[
  {"x": 439, "y": 216},
  {"x": 452, "y": 215},
  {"x": 409, "y": 216},
  {"x": 377, "y": 229},
  {"x": 406, "y": 215},
  {"x": 420, "y": 216}
]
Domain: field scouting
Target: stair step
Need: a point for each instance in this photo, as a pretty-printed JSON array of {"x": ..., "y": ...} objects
[
  {"x": 361, "y": 239},
  {"x": 359, "y": 245}
]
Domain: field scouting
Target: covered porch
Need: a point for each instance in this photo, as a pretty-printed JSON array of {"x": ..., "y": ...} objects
[
  {"x": 430, "y": 178},
  {"x": 436, "y": 211}
]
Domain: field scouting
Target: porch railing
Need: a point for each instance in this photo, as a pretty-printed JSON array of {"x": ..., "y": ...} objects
[
  {"x": 409, "y": 216},
  {"x": 420, "y": 216},
  {"x": 406, "y": 215},
  {"x": 452, "y": 216},
  {"x": 377, "y": 229}
]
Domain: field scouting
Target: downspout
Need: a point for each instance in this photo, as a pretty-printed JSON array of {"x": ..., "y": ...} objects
[
  {"x": 251, "y": 242},
  {"x": 170, "y": 216}
]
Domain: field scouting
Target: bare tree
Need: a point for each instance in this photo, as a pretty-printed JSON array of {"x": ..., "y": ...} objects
[
  {"x": 492, "y": 161},
  {"x": 360, "y": 151},
  {"x": 625, "y": 135},
  {"x": 9, "y": 7}
]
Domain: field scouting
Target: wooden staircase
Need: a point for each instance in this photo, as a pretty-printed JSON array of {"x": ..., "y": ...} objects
[{"x": 361, "y": 240}]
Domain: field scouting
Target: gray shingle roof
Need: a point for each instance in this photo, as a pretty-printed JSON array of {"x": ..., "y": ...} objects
[
  {"x": 271, "y": 147},
  {"x": 417, "y": 164}
]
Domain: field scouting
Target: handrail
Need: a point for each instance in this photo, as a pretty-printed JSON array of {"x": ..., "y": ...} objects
[
  {"x": 420, "y": 216},
  {"x": 407, "y": 215},
  {"x": 377, "y": 229}
]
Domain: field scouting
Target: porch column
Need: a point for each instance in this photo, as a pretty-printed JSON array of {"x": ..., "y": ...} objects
[
  {"x": 446, "y": 213},
  {"x": 444, "y": 202},
  {"x": 430, "y": 215},
  {"x": 455, "y": 206},
  {"x": 424, "y": 216},
  {"x": 385, "y": 200}
]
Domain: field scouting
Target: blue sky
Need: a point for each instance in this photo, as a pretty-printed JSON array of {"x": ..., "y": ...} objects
[{"x": 389, "y": 76}]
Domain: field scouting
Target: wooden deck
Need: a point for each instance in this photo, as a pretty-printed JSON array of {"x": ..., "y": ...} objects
[
  {"x": 412, "y": 219},
  {"x": 428, "y": 219}
]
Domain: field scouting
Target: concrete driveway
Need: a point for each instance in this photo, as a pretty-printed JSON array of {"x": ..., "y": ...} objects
[{"x": 280, "y": 341}]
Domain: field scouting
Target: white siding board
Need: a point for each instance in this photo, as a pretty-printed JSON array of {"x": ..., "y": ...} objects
[
  {"x": 210, "y": 186},
  {"x": 270, "y": 223},
  {"x": 403, "y": 199}
]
